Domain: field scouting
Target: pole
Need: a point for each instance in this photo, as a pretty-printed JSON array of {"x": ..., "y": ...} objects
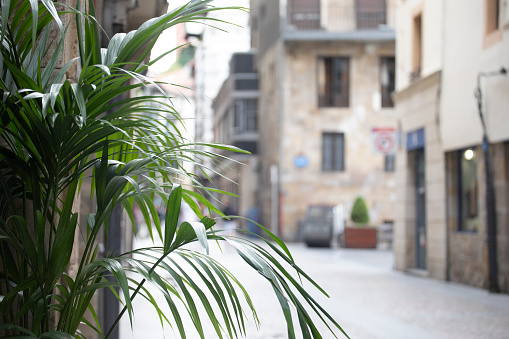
[
  {"x": 491, "y": 214},
  {"x": 274, "y": 182}
]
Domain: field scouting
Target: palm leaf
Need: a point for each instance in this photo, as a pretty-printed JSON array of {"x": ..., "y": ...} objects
[{"x": 55, "y": 131}]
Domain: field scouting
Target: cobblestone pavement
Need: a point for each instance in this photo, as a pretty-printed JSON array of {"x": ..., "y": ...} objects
[{"x": 367, "y": 297}]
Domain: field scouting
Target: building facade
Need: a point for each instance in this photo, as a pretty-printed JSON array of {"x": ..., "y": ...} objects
[
  {"x": 236, "y": 123},
  {"x": 448, "y": 224},
  {"x": 326, "y": 73},
  {"x": 212, "y": 56}
]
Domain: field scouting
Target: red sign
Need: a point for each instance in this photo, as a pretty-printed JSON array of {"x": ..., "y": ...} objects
[{"x": 384, "y": 140}]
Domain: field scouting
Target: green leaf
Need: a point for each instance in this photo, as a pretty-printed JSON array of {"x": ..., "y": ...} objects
[
  {"x": 52, "y": 10},
  {"x": 201, "y": 234},
  {"x": 80, "y": 100},
  {"x": 9, "y": 327},
  {"x": 5, "y": 17},
  {"x": 56, "y": 335},
  {"x": 172, "y": 215},
  {"x": 35, "y": 17}
]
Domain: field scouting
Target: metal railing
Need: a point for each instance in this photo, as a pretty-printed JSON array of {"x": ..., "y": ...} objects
[{"x": 337, "y": 17}]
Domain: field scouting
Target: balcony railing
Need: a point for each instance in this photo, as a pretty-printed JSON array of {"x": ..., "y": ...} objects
[{"x": 330, "y": 16}]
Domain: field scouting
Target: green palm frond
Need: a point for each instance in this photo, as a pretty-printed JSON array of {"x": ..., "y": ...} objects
[{"x": 56, "y": 129}]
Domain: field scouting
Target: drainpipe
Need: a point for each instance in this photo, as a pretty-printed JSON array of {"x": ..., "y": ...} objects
[
  {"x": 274, "y": 199},
  {"x": 493, "y": 286}
]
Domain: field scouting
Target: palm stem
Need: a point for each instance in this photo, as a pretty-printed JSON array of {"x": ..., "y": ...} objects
[{"x": 140, "y": 285}]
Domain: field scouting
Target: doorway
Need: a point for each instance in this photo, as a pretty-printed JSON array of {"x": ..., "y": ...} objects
[{"x": 420, "y": 209}]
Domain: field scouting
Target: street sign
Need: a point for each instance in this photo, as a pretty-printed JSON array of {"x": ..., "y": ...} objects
[
  {"x": 415, "y": 139},
  {"x": 301, "y": 161},
  {"x": 384, "y": 140}
]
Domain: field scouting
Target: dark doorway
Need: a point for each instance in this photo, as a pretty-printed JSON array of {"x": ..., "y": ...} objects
[{"x": 420, "y": 209}]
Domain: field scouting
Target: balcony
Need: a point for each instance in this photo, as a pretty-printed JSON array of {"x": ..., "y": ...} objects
[{"x": 348, "y": 19}]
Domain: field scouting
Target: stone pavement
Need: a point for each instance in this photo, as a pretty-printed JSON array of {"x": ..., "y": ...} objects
[{"x": 368, "y": 298}]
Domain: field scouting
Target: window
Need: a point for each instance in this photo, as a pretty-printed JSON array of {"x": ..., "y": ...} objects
[
  {"x": 246, "y": 111},
  {"x": 370, "y": 13},
  {"x": 387, "y": 80},
  {"x": 492, "y": 31},
  {"x": 492, "y": 15},
  {"x": 416, "y": 47},
  {"x": 464, "y": 189},
  {"x": 468, "y": 191},
  {"x": 389, "y": 163},
  {"x": 333, "y": 152},
  {"x": 333, "y": 82}
]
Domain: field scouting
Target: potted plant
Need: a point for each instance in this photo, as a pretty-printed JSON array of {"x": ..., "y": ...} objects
[
  {"x": 58, "y": 128},
  {"x": 360, "y": 236}
]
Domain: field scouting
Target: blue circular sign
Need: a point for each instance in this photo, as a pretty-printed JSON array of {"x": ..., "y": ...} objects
[{"x": 301, "y": 161}]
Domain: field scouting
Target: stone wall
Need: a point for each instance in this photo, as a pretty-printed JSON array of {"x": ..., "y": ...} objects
[
  {"x": 501, "y": 170},
  {"x": 417, "y": 107},
  {"x": 469, "y": 251},
  {"x": 305, "y": 121}
]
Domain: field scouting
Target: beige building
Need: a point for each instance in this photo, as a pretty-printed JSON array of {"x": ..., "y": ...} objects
[
  {"x": 446, "y": 50},
  {"x": 326, "y": 73}
]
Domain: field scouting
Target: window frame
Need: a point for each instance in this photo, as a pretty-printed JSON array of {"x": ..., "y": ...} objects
[
  {"x": 387, "y": 90},
  {"x": 334, "y": 164},
  {"x": 243, "y": 116},
  {"x": 492, "y": 23},
  {"x": 390, "y": 163},
  {"x": 417, "y": 44},
  {"x": 328, "y": 67},
  {"x": 460, "y": 190}
]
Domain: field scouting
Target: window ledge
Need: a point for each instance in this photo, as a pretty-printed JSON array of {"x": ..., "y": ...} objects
[
  {"x": 492, "y": 38},
  {"x": 468, "y": 232}
]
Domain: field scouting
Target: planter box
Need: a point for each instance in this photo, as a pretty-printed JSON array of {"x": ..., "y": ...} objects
[{"x": 365, "y": 237}]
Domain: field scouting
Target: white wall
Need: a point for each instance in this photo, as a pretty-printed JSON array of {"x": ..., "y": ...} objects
[
  {"x": 212, "y": 59},
  {"x": 432, "y": 32},
  {"x": 464, "y": 57}
]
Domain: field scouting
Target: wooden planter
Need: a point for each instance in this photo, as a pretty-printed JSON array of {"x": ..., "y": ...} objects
[{"x": 360, "y": 237}]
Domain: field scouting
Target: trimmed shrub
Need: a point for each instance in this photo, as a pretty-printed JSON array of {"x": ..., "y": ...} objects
[{"x": 359, "y": 214}]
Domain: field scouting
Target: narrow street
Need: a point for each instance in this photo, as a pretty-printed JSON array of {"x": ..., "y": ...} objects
[{"x": 368, "y": 298}]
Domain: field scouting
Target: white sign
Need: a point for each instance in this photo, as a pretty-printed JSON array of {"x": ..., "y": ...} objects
[{"x": 384, "y": 140}]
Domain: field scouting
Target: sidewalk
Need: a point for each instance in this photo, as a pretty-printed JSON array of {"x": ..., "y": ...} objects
[
  {"x": 371, "y": 300},
  {"x": 368, "y": 298}
]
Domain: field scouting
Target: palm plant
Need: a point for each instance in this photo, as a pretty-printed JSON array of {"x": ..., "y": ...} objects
[{"x": 57, "y": 130}]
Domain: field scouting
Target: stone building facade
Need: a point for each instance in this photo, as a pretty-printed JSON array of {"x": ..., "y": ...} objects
[
  {"x": 326, "y": 70},
  {"x": 446, "y": 52}
]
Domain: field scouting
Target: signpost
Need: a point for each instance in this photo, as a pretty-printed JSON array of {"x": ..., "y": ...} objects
[{"x": 384, "y": 140}]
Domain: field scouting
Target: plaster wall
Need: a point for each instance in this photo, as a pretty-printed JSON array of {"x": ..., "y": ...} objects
[
  {"x": 212, "y": 57},
  {"x": 466, "y": 54},
  {"x": 432, "y": 38}
]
